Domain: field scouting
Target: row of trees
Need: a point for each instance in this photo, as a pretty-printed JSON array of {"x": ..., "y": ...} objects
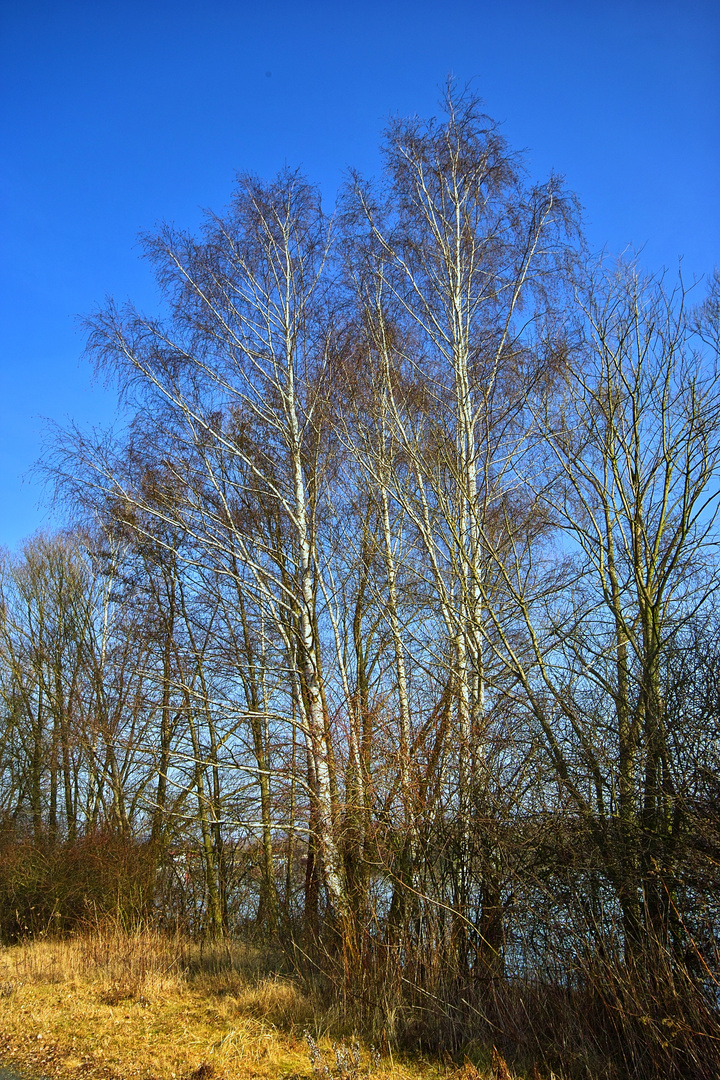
[{"x": 393, "y": 606}]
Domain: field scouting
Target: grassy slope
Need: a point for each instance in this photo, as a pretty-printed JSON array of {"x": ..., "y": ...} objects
[{"x": 119, "y": 1008}]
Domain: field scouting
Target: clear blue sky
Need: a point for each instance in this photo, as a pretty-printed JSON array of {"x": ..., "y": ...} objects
[{"x": 116, "y": 116}]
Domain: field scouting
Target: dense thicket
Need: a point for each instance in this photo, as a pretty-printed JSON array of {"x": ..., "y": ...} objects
[{"x": 389, "y": 623}]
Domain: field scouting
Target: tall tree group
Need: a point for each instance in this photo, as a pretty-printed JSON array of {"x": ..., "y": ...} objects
[{"x": 389, "y": 620}]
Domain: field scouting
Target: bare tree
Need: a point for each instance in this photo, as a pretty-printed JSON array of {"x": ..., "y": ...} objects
[
  {"x": 237, "y": 380},
  {"x": 465, "y": 258},
  {"x": 629, "y": 479}
]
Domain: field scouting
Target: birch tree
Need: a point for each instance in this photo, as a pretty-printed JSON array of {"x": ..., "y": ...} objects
[
  {"x": 469, "y": 259},
  {"x": 236, "y": 381}
]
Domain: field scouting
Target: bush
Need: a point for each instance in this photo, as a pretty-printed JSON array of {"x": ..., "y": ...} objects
[{"x": 54, "y": 887}]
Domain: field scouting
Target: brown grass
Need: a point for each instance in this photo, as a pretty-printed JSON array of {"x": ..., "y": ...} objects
[{"x": 120, "y": 1007}]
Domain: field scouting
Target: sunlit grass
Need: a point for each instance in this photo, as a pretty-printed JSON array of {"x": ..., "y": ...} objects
[{"x": 116, "y": 1006}]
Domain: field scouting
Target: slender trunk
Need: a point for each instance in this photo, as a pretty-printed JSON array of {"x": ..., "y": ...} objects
[
  {"x": 268, "y": 906},
  {"x": 53, "y": 770},
  {"x": 62, "y": 707},
  {"x": 36, "y": 768},
  {"x": 214, "y": 908},
  {"x": 317, "y": 733},
  {"x": 163, "y": 766}
]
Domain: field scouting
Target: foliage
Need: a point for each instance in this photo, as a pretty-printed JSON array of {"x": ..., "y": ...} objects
[{"x": 387, "y": 628}]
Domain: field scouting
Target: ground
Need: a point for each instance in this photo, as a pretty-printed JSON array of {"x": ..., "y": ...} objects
[{"x": 108, "y": 1006}]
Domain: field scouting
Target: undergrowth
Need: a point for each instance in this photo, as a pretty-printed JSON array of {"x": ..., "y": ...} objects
[{"x": 114, "y": 1006}]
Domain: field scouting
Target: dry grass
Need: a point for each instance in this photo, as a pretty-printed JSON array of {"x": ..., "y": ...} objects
[{"x": 121, "y": 1007}]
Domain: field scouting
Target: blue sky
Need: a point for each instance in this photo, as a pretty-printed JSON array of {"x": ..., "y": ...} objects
[{"x": 116, "y": 116}]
